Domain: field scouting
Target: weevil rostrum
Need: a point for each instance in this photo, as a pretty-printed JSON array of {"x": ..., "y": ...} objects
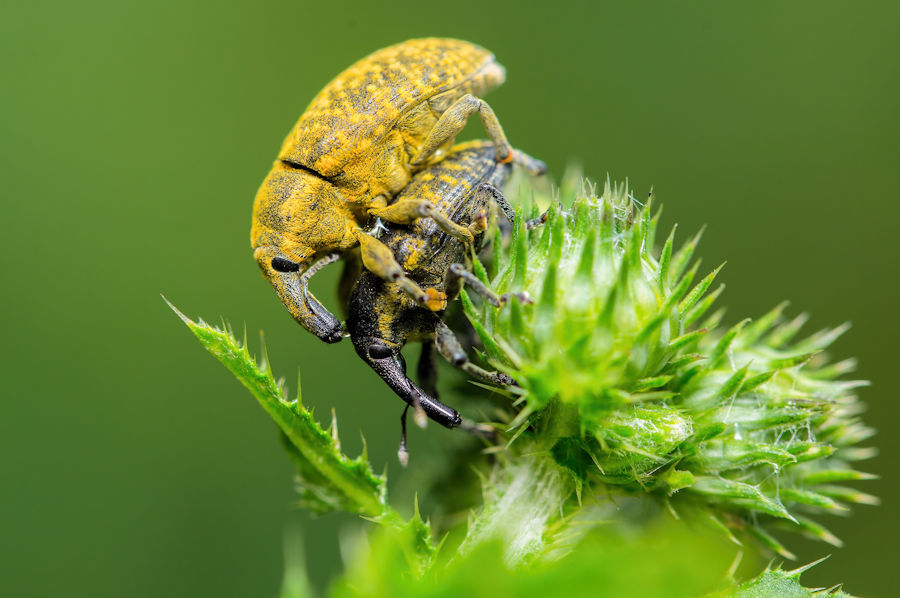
[
  {"x": 383, "y": 318},
  {"x": 354, "y": 148}
]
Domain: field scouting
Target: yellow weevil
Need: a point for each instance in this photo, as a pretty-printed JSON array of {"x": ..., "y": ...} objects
[{"x": 354, "y": 148}]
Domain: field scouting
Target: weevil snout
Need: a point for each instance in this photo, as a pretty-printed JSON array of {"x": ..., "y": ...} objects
[
  {"x": 299, "y": 216},
  {"x": 287, "y": 276},
  {"x": 385, "y": 359}
]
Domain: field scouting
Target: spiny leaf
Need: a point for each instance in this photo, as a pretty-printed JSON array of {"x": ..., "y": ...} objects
[
  {"x": 781, "y": 584},
  {"x": 816, "y": 530},
  {"x": 722, "y": 346},
  {"x": 789, "y": 362},
  {"x": 784, "y": 333},
  {"x": 664, "y": 260},
  {"x": 810, "y": 498},
  {"x": 741, "y": 494},
  {"x": 330, "y": 480},
  {"x": 491, "y": 347},
  {"x": 770, "y": 542},
  {"x": 683, "y": 257},
  {"x": 759, "y": 327},
  {"x": 751, "y": 383},
  {"x": 685, "y": 339},
  {"x": 698, "y": 291},
  {"x": 734, "y": 383},
  {"x": 829, "y": 476},
  {"x": 697, "y": 312}
]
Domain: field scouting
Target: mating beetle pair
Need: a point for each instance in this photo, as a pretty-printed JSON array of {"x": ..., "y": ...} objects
[
  {"x": 353, "y": 149},
  {"x": 359, "y": 143}
]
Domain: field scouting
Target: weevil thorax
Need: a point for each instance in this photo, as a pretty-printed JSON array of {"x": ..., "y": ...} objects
[
  {"x": 363, "y": 128},
  {"x": 300, "y": 214}
]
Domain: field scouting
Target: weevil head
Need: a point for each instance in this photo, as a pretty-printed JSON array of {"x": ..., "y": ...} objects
[
  {"x": 378, "y": 337},
  {"x": 379, "y": 345},
  {"x": 298, "y": 218},
  {"x": 379, "y": 325},
  {"x": 377, "y": 317},
  {"x": 284, "y": 273}
]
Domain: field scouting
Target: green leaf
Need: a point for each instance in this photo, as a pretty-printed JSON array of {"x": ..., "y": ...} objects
[
  {"x": 697, "y": 292},
  {"x": 329, "y": 479}
]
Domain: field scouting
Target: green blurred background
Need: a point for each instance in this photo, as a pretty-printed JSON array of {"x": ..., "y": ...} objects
[{"x": 135, "y": 136}]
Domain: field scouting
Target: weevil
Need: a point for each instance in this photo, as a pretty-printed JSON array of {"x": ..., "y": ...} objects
[
  {"x": 354, "y": 148},
  {"x": 383, "y": 318}
]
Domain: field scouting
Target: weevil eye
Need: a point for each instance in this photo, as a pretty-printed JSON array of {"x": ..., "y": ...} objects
[
  {"x": 279, "y": 264},
  {"x": 378, "y": 350}
]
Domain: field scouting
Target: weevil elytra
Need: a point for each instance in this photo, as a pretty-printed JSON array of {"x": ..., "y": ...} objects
[
  {"x": 383, "y": 318},
  {"x": 354, "y": 148}
]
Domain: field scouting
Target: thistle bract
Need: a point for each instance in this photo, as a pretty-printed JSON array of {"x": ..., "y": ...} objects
[{"x": 648, "y": 393}]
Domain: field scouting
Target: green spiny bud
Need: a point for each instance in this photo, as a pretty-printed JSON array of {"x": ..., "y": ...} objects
[{"x": 742, "y": 423}]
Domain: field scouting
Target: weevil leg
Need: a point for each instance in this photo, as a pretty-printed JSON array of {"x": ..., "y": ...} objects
[
  {"x": 457, "y": 274},
  {"x": 530, "y": 164},
  {"x": 487, "y": 192},
  {"x": 407, "y": 211},
  {"x": 426, "y": 371},
  {"x": 402, "y": 453},
  {"x": 539, "y": 221},
  {"x": 452, "y": 121},
  {"x": 450, "y": 349},
  {"x": 379, "y": 260},
  {"x": 497, "y": 196}
]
